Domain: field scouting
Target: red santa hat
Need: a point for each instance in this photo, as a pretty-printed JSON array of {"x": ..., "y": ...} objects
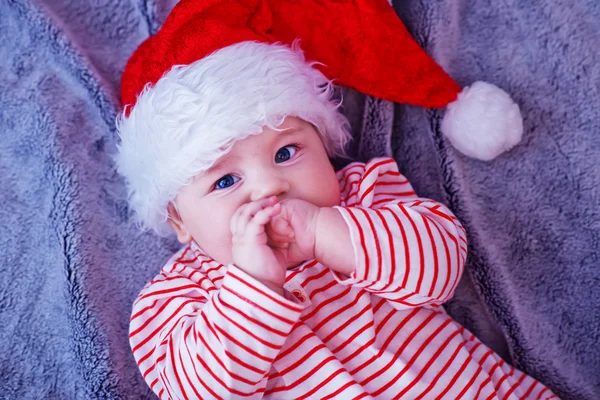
[{"x": 360, "y": 44}]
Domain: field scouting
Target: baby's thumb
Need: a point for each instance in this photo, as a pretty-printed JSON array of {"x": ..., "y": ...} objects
[{"x": 280, "y": 227}]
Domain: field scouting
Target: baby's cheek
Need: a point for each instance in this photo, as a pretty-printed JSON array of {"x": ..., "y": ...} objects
[
  {"x": 328, "y": 193},
  {"x": 223, "y": 240},
  {"x": 214, "y": 236},
  {"x": 220, "y": 248}
]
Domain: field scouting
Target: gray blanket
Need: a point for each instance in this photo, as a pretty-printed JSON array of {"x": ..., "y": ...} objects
[{"x": 73, "y": 264}]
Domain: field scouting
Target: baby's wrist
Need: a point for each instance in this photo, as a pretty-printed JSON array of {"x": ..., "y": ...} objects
[
  {"x": 272, "y": 280},
  {"x": 333, "y": 245},
  {"x": 275, "y": 283},
  {"x": 274, "y": 286},
  {"x": 322, "y": 230}
]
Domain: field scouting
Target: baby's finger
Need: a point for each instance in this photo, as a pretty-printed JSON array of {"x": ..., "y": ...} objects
[
  {"x": 257, "y": 224},
  {"x": 248, "y": 211},
  {"x": 235, "y": 223},
  {"x": 283, "y": 234},
  {"x": 281, "y": 227},
  {"x": 275, "y": 240},
  {"x": 278, "y": 245}
]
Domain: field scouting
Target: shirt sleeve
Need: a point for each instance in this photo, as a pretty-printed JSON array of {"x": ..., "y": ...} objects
[
  {"x": 408, "y": 250},
  {"x": 192, "y": 339}
]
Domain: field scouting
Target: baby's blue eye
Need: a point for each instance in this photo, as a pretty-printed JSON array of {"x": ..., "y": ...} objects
[
  {"x": 285, "y": 153},
  {"x": 226, "y": 181}
]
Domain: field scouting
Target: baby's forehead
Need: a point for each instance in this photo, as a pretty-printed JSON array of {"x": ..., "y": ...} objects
[
  {"x": 221, "y": 162},
  {"x": 232, "y": 156},
  {"x": 242, "y": 150}
]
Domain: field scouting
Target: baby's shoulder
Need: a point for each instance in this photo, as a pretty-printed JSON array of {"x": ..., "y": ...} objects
[
  {"x": 186, "y": 271},
  {"x": 359, "y": 169},
  {"x": 192, "y": 264},
  {"x": 361, "y": 184}
]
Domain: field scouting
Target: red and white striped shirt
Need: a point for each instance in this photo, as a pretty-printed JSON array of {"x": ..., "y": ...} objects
[{"x": 204, "y": 330}]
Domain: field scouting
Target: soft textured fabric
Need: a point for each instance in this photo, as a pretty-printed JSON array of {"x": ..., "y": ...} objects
[
  {"x": 361, "y": 44},
  {"x": 358, "y": 44},
  {"x": 73, "y": 264},
  {"x": 532, "y": 215},
  {"x": 201, "y": 329}
]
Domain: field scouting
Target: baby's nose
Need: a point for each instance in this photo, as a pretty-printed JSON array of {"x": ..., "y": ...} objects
[{"x": 269, "y": 185}]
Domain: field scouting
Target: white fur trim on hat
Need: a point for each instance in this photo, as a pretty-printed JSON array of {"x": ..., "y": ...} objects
[
  {"x": 193, "y": 115},
  {"x": 483, "y": 122}
]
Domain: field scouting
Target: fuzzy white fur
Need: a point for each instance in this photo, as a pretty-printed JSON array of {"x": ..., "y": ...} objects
[
  {"x": 483, "y": 122},
  {"x": 193, "y": 115}
]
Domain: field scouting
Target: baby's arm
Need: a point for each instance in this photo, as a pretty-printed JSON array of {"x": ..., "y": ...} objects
[
  {"x": 194, "y": 338},
  {"x": 394, "y": 244}
]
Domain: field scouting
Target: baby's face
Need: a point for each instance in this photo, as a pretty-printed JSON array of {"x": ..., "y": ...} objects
[{"x": 290, "y": 165}]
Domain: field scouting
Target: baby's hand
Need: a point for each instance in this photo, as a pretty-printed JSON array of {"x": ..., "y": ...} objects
[
  {"x": 250, "y": 249},
  {"x": 292, "y": 231}
]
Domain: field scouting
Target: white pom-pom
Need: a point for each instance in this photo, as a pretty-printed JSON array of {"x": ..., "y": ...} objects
[{"x": 483, "y": 121}]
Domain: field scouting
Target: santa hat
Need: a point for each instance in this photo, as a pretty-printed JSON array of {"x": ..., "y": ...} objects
[{"x": 360, "y": 44}]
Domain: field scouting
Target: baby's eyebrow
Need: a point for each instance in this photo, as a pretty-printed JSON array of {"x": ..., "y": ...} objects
[
  {"x": 291, "y": 130},
  {"x": 217, "y": 165}
]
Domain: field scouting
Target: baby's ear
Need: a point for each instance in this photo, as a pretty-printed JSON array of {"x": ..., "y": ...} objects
[{"x": 175, "y": 221}]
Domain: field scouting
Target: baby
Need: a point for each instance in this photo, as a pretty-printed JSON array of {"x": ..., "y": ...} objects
[{"x": 295, "y": 281}]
